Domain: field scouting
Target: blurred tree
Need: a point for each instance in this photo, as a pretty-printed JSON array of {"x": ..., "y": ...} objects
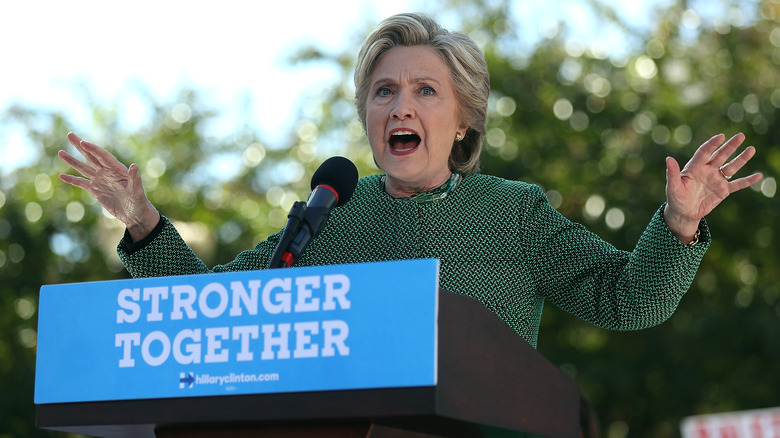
[
  {"x": 224, "y": 195},
  {"x": 591, "y": 129}
]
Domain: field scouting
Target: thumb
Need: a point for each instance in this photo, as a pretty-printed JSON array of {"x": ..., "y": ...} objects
[
  {"x": 134, "y": 184},
  {"x": 672, "y": 173}
]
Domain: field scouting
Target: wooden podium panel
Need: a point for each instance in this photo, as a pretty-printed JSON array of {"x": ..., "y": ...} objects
[{"x": 490, "y": 381}]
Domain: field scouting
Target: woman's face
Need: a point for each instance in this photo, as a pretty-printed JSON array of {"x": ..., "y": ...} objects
[{"x": 412, "y": 119}]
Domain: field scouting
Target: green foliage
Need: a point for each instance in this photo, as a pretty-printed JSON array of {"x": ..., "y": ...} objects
[
  {"x": 591, "y": 130},
  {"x": 224, "y": 194},
  {"x": 594, "y": 132}
]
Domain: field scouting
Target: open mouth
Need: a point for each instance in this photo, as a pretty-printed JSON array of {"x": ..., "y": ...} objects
[{"x": 403, "y": 141}]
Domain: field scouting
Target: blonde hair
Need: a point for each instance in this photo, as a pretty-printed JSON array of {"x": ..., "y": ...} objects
[{"x": 468, "y": 73}]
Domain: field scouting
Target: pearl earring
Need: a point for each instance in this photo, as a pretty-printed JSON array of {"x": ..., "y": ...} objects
[{"x": 458, "y": 137}]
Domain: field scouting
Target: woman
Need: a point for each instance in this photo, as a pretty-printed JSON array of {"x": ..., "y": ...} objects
[{"x": 421, "y": 94}]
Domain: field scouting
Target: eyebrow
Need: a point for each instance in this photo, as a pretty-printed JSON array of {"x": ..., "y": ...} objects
[{"x": 388, "y": 80}]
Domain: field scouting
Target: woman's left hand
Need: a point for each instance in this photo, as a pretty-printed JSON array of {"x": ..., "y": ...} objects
[{"x": 703, "y": 183}]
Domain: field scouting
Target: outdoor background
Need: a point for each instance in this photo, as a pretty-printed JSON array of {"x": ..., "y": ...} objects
[{"x": 588, "y": 99}]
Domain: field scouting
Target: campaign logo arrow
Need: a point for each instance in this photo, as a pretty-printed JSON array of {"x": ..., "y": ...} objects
[{"x": 186, "y": 380}]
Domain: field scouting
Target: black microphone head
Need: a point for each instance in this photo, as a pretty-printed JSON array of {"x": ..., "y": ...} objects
[{"x": 339, "y": 173}]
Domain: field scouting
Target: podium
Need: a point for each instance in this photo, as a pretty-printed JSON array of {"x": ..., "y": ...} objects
[{"x": 490, "y": 382}]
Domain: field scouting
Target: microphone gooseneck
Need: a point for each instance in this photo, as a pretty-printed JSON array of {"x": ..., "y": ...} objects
[{"x": 332, "y": 184}]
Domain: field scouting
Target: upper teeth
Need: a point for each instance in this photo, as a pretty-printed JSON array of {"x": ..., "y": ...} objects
[{"x": 403, "y": 133}]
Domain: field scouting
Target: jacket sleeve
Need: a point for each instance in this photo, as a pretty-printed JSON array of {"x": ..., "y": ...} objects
[
  {"x": 614, "y": 289},
  {"x": 165, "y": 253}
]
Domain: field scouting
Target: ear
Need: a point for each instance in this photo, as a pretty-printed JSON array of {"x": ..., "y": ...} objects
[{"x": 462, "y": 129}]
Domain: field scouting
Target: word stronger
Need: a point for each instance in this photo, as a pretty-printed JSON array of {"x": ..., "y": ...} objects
[{"x": 283, "y": 340}]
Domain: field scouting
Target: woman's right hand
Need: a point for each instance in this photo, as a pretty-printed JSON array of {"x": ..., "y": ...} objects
[{"x": 115, "y": 186}]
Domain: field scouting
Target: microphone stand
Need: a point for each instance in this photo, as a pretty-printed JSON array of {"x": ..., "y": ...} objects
[{"x": 294, "y": 218}]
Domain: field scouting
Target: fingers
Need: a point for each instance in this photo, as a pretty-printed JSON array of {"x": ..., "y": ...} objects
[
  {"x": 79, "y": 144},
  {"x": 741, "y": 183},
  {"x": 731, "y": 168},
  {"x": 704, "y": 153},
  {"x": 80, "y": 167},
  {"x": 95, "y": 155},
  {"x": 101, "y": 166},
  {"x": 100, "y": 155},
  {"x": 723, "y": 153},
  {"x": 715, "y": 153},
  {"x": 76, "y": 181},
  {"x": 74, "y": 139}
]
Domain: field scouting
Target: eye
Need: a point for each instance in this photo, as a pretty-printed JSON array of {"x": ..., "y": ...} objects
[
  {"x": 383, "y": 91},
  {"x": 427, "y": 91}
]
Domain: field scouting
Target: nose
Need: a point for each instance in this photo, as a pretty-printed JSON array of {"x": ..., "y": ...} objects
[{"x": 403, "y": 107}]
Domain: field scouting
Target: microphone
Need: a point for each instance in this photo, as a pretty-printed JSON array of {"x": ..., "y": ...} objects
[{"x": 332, "y": 185}]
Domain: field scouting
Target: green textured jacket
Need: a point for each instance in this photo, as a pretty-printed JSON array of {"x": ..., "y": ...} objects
[{"x": 498, "y": 241}]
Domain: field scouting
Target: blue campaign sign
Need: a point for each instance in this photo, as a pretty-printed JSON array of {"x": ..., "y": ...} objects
[{"x": 320, "y": 328}]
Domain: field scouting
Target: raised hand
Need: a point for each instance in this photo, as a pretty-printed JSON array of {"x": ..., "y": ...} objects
[
  {"x": 115, "y": 186},
  {"x": 704, "y": 182}
]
